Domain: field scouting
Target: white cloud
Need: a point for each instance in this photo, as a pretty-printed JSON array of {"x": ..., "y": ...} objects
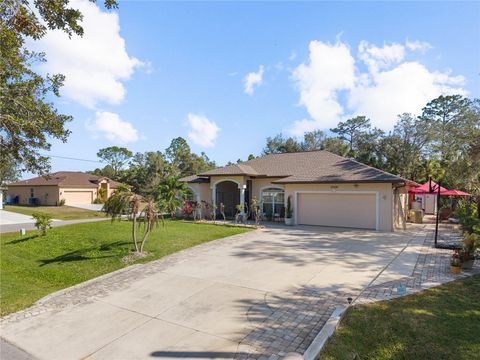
[
  {"x": 377, "y": 58},
  {"x": 94, "y": 65},
  {"x": 203, "y": 131},
  {"x": 113, "y": 128},
  {"x": 405, "y": 88},
  {"x": 330, "y": 69},
  {"x": 390, "y": 85},
  {"x": 253, "y": 79},
  {"x": 417, "y": 45}
]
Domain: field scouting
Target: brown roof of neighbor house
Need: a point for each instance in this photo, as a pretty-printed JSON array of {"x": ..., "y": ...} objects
[
  {"x": 307, "y": 167},
  {"x": 74, "y": 179}
]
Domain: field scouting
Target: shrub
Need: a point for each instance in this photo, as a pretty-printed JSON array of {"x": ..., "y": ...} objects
[
  {"x": 98, "y": 201},
  {"x": 61, "y": 202},
  {"x": 42, "y": 222},
  {"x": 470, "y": 243},
  {"x": 467, "y": 215},
  {"x": 289, "y": 209},
  {"x": 187, "y": 209},
  {"x": 102, "y": 195}
]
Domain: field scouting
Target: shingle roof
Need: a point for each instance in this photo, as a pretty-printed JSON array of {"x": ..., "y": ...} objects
[
  {"x": 195, "y": 179},
  {"x": 236, "y": 169},
  {"x": 308, "y": 167},
  {"x": 66, "y": 179}
]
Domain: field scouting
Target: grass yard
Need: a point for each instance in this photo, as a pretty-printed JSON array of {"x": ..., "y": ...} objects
[
  {"x": 57, "y": 212},
  {"x": 440, "y": 323},
  {"x": 33, "y": 266}
]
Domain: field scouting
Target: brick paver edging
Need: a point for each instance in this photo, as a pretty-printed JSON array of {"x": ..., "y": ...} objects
[
  {"x": 431, "y": 269},
  {"x": 290, "y": 324}
]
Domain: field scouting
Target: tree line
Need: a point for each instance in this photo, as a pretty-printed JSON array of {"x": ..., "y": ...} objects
[{"x": 442, "y": 142}]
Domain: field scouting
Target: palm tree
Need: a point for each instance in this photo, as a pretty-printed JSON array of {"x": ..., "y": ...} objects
[
  {"x": 171, "y": 194},
  {"x": 125, "y": 202},
  {"x": 149, "y": 220}
]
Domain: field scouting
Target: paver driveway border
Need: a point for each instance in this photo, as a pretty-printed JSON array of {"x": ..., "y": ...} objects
[
  {"x": 432, "y": 268},
  {"x": 278, "y": 322}
]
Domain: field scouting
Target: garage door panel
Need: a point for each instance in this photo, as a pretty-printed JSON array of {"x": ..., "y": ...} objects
[
  {"x": 335, "y": 209},
  {"x": 77, "y": 197}
]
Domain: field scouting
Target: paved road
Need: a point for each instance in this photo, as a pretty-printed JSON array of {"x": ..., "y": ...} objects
[
  {"x": 11, "y": 218},
  {"x": 30, "y": 226},
  {"x": 11, "y": 352},
  {"x": 211, "y": 301}
]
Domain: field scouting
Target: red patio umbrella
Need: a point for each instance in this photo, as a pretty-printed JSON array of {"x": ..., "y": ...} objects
[
  {"x": 425, "y": 189},
  {"x": 455, "y": 193}
]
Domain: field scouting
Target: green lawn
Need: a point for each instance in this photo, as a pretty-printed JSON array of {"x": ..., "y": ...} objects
[
  {"x": 34, "y": 266},
  {"x": 57, "y": 212},
  {"x": 441, "y": 323}
]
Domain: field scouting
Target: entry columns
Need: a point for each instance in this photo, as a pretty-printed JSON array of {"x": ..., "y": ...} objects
[
  {"x": 214, "y": 195},
  {"x": 242, "y": 197}
]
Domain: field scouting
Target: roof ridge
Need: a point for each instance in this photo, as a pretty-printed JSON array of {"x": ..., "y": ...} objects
[
  {"x": 286, "y": 153},
  {"x": 371, "y": 167}
]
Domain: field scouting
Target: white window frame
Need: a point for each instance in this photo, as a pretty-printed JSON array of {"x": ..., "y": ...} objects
[
  {"x": 376, "y": 193},
  {"x": 266, "y": 188}
]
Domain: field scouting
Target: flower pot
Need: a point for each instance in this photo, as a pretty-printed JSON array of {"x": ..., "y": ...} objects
[
  {"x": 455, "y": 269},
  {"x": 468, "y": 264},
  {"x": 289, "y": 221}
]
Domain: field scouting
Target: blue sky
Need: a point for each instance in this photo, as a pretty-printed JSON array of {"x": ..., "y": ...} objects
[{"x": 158, "y": 70}]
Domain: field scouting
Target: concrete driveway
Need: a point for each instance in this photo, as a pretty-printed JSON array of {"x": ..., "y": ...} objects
[
  {"x": 92, "y": 207},
  {"x": 11, "y": 218},
  {"x": 206, "y": 301}
]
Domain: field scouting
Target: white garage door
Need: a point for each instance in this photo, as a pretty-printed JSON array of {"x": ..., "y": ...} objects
[
  {"x": 336, "y": 209},
  {"x": 77, "y": 197}
]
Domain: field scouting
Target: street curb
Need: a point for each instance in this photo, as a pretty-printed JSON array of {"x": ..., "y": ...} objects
[{"x": 313, "y": 351}]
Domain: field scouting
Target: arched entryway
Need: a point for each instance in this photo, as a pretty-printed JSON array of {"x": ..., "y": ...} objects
[{"x": 228, "y": 193}]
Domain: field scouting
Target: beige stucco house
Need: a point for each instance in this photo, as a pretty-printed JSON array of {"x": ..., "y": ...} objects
[
  {"x": 324, "y": 189},
  {"x": 73, "y": 187}
]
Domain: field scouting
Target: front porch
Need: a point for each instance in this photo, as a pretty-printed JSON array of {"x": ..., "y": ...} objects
[{"x": 236, "y": 197}]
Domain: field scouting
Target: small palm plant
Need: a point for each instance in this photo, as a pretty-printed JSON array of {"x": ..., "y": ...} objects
[
  {"x": 124, "y": 202},
  {"x": 222, "y": 211},
  {"x": 255, "y": 209},
  {"x": 150, "y": 220},
  {"x": 171, "y": 194},
  {"x": 213, "y": 209},
  {"x": 239, "y": 216}
]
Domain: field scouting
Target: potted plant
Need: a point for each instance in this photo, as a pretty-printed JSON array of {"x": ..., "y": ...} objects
[
  {"x": 289, "y": 213},
  {"x": 455, "y": 262},
  {"x": 469, "y": 241}
]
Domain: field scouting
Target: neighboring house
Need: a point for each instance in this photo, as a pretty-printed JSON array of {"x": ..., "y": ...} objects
[
  {"x": 324, "y": 188},
  {"x": 73, "y": 187}
]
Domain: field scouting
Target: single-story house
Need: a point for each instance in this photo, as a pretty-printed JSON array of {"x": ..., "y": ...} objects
[
  {"x": 71, "y": 186},
  {"x": 324, "y": 189}
]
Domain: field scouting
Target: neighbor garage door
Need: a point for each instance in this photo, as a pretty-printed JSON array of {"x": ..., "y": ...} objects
[
  {"x": 337, "y": 209},
  {"x": 77, "y": 197}
]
